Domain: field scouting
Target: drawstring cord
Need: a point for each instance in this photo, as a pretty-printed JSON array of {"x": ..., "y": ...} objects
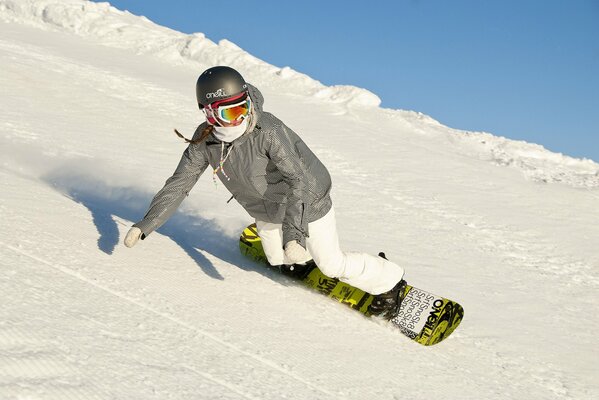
[{"x": 221, "y": 163}]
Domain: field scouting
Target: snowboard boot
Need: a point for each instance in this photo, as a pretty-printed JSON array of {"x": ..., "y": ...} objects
[{"x": 386, "y": 305}]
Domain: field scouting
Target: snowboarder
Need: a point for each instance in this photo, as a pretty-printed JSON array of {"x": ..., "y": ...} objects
[{"x": 277, "y": 179}]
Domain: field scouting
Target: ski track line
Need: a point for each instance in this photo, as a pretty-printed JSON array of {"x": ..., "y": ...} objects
[
  {"x": 205, "y": 375},
  {"x": 184, "y": 324},
  {"x": 37, "y": 365},
  {"x": 220, "y": 382}
]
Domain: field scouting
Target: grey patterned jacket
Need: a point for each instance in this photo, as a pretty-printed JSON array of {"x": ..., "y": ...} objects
[{"x": 272, "y": 174}]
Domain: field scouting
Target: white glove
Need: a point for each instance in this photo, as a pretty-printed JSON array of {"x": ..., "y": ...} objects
[
  {"x": 132, "y": 236},
  {"x": 295, "y": 253}
]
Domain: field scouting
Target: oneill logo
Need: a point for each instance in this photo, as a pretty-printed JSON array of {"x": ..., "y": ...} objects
[
  {"x": 434, "y": 314},
  {"x": 219, "y": 93}
]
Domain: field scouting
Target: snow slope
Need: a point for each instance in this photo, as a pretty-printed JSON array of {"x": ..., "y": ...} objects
[{"x": 89, "y": 98}]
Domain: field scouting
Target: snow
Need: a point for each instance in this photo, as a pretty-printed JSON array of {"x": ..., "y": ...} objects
[{"x": 90, "y": 97}]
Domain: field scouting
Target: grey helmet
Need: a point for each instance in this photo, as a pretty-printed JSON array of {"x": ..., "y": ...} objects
[{"x": 218, "y": 83}]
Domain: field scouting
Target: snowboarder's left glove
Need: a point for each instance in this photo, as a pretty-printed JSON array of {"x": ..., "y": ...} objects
[
  {"x": 133, "y": 236},
  {"x": 295, "y": 253}
]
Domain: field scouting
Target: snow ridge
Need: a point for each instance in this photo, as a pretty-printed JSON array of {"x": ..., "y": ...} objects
[
  {"x": 533, "y": 160},
  {"x": 122, "y": 29}
]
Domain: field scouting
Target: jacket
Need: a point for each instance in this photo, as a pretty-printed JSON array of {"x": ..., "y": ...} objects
[{"x": 269, "y": 170}]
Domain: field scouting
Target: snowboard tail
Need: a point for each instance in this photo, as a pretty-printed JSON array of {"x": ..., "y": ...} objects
[{"x": 423, "y": 317}]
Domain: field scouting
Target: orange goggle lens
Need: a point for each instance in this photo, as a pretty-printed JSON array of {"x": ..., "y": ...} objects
[{"x": 234, "y": 112}]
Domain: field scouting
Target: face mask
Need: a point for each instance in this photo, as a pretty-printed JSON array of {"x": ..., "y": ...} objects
[{"x": 230, "y": 133}]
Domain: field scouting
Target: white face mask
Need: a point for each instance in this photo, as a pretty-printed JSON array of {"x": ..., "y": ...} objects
[{"x": 230, "y": 133}]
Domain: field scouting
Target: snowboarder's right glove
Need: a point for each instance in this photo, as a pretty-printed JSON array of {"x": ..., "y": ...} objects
[
  {"x": 295, "y": 253},
  {"x": 133, "y": 236}
]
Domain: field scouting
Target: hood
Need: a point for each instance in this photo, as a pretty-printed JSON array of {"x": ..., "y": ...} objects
[
  {"x": 257, "y": 98},
  {"x": 257, "y": 102}
]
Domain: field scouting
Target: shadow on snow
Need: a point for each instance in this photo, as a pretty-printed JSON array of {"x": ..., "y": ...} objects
[{"x": 190, "y": 232}]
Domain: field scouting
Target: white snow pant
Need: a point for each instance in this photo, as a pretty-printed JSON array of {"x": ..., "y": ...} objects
[{"x": 370, "y": 273}]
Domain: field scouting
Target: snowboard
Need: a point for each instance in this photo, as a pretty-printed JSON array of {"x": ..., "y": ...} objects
[{"x": 423, "y": 317}]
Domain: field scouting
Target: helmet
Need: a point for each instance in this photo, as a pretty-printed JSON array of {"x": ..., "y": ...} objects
[{"x": 218, "y": 83}]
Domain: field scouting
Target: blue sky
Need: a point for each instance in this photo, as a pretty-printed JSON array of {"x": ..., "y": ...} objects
[{"x": 526, "y": 70}]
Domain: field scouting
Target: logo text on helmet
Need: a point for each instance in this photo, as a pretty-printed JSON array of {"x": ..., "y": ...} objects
[{"x": 219, "y": 93}]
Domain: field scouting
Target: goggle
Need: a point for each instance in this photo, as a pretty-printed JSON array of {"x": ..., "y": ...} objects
[{"x": 229, "y": 110}]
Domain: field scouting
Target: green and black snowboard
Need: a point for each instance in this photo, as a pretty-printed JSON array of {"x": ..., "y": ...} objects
[{"x": 423, "y": 317}]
